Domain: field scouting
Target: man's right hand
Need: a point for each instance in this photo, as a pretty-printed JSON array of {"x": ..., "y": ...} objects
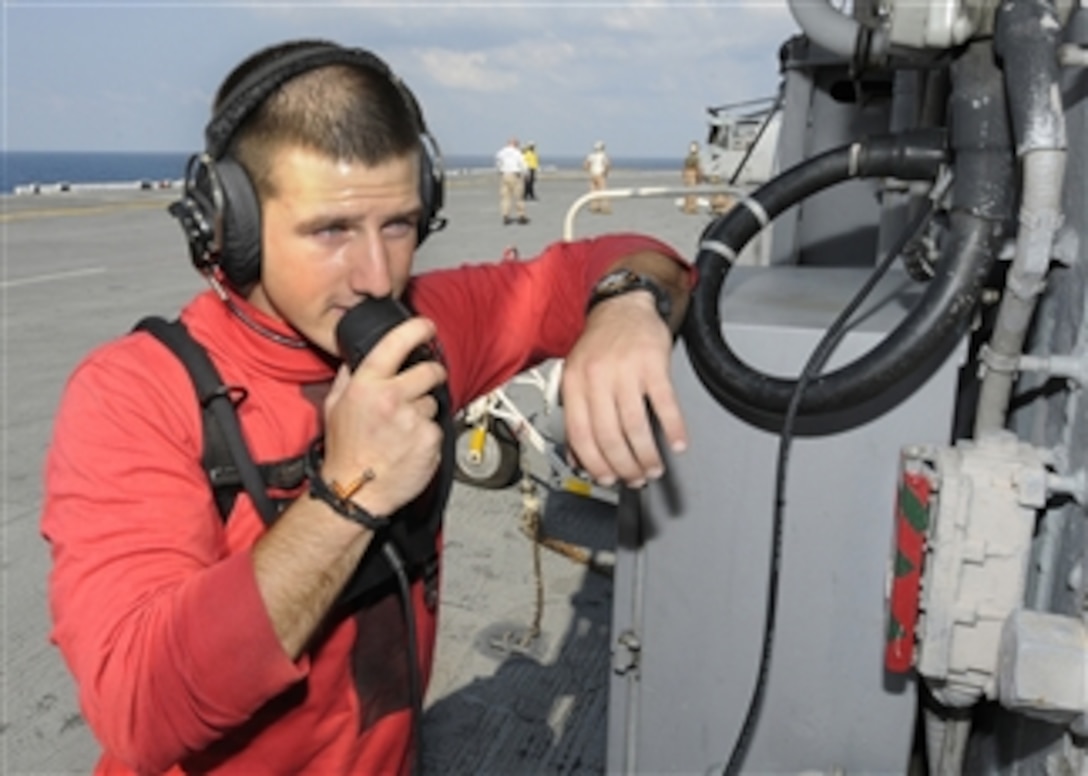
[{"x": 384, "y": 420}]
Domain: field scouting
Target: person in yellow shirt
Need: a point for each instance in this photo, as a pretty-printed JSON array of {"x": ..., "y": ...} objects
[{"x": 532, "y": 164}]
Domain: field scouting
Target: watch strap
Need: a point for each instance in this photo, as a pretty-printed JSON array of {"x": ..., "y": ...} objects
[{"x": 624, "y": 281}]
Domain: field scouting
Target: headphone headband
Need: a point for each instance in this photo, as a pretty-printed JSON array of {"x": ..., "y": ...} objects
[{"x": 255, "y": 88}]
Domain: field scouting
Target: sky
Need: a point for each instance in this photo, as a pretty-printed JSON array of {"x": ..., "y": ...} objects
[{"x": 140, "y": 76}]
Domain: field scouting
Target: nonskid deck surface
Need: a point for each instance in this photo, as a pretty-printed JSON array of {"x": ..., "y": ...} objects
[{"x": 82, "y": 267}]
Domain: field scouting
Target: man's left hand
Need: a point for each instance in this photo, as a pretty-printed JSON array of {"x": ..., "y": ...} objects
[{"x": 615, "y": 374}]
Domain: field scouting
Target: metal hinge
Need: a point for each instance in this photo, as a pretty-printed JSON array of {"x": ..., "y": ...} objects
[{"x": 625, "y": 659}]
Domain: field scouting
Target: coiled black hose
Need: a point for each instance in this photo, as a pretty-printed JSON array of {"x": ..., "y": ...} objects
[{"x": 941, "y": 313}]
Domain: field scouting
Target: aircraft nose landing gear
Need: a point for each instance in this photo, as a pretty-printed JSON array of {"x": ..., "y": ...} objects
[{"x": 487, "y": 453}]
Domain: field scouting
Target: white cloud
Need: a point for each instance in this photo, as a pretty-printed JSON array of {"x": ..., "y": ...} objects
[
  {"x": 466, "y": 70},
  {"x": 538, "y": 56}
]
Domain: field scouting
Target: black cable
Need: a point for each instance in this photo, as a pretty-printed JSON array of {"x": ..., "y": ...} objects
[
  {"x": 822, "y": 352},
  {"x": 415, "y": 681},
  {"x": 759, "y": 135}
]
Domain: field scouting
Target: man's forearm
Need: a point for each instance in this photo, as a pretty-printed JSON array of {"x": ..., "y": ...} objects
[{"x": 302, "y": 564}]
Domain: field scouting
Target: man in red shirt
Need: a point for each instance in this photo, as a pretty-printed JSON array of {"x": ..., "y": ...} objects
[{"x": 219, "y": 647}]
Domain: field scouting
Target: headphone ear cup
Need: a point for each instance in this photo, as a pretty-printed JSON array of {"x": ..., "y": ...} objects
[
  {"x": 240, "y": 259},
  {"x": 196, "y": 212},
  {"x": 431, "y": 189}
]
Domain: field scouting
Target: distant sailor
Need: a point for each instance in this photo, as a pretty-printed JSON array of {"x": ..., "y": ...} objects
[
  {"x": 511, "y": 166},
  {"x": 692, "y": 175},
  {"x": 532, "y": 164},
  {"x": 597, "y": 164}
]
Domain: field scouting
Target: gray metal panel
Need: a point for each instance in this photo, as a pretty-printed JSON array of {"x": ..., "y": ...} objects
[
  {"x": 694, "y": 592},
  {"x": 837, "y": 226}
]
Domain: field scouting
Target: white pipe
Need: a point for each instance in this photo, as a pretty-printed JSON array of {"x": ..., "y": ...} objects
[
  {"x": 826, "y": 26},
  {"x": 645, "y": 191},
  {"x": 953, "y": 747},
  {"x": 1072, "y": 55},
  {"x": 839, "y": 33},
  {"x": 1040, "y": 217}
]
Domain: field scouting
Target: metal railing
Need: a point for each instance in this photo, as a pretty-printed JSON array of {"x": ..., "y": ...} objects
[{"x": 646, "y": 192}]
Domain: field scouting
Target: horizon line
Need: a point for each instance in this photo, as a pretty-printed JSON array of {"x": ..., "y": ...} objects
[{"x": 445, "y": 154}]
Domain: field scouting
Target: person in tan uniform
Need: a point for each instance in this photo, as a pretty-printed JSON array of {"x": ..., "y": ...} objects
[
  {"x": 691, "y": 175},
  {"x": 597, "y": 164},
  {"x": 511, "y": 167}
]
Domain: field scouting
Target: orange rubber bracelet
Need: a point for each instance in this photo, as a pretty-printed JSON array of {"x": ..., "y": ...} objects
[{"x": 346, "y": 492}]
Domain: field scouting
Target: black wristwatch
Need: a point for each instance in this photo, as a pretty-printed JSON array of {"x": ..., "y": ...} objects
[{"x": 623, "y": 281}]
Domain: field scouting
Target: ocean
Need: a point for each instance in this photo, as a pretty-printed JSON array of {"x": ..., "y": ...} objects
[{"x": 21, "y": 168}]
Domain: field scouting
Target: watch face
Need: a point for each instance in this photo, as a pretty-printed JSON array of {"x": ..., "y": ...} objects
[
  {"x": 621, "y": 281},
  {"x": 616, "y": 281}
]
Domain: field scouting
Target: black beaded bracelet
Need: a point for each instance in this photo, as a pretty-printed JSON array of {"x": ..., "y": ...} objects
[{"x": 319, "y": 489}]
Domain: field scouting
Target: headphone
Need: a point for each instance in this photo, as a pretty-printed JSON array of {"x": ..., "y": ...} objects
[{"x": 219, "y": 210}]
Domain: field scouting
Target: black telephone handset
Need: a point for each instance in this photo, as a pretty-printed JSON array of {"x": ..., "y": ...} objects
[
  {"x": 366, "y": 323},
  {"x": 363, "y": 326}
]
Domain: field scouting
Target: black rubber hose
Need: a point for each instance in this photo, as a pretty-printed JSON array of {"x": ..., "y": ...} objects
[
  {"x": 983, "y": 192},
  {"x": 942, "y": 312}
]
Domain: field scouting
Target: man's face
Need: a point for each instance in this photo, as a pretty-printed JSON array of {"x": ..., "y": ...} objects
[{"x": 333, "y": 234}]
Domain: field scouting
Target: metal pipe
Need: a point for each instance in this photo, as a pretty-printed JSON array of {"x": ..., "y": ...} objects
[
  {"x": 1026, "y": 37},
  {"x": 645, "y": 192},
  {"x": 840, "y": 34},
  {"x": 1073, "y": 55}
]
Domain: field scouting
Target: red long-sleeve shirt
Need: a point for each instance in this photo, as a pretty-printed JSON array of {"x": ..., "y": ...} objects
[{"x": 154, "y": 600}]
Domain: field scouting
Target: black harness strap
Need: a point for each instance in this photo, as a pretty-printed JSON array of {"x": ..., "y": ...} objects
[{"x": 216, "y": 401}]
